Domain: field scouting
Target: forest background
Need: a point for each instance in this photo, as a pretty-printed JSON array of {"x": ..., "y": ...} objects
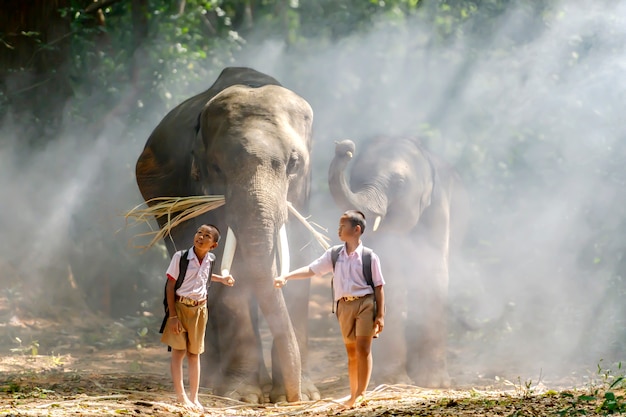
[{"x": 524, "y": 98}]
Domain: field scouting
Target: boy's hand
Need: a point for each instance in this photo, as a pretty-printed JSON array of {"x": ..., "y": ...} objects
[
  {"x": 228, "y": 280},
  {"x": 279, "y": 282},
  {"x": 379, "y": 323},
  {"x": 174, "y": 325}
]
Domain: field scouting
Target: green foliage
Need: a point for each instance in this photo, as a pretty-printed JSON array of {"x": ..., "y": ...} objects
[
  {"x": 170, "y": 53},
  {"x": 32, "y": 348},
  {"x": 609, "y": 401}
]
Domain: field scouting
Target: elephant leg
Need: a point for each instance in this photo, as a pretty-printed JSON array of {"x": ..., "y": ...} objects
[
  {"x": 233, "y": 321},
  {"x": 285, "y": 344},
  {"x": 297, "y": 300},
  {"x": 426, "y": 340},
  {"x": 426, "y": 324},
  {"x": 265, "y": 378},
  {"x": 210, "y": 359},
  {"x": 389, "y": 350}
]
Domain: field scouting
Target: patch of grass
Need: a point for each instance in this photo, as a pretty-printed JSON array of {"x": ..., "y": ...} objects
[
  {"x": 602, "y": 395},
  {"x": 11, "y": 388},
  {"x": 32, "y": 348}
]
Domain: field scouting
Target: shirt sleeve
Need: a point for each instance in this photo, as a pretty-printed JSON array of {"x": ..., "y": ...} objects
[
  {"x": 323, "y": 264},
  {"x": 377, "y": 273},
  {"x": 173, "y": 269}
]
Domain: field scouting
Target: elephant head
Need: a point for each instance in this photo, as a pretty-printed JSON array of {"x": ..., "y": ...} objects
[
  {"x": 249, "y": 139},
  {"x": 392, "y": 185},
  {"x": 254, "y": 145}
]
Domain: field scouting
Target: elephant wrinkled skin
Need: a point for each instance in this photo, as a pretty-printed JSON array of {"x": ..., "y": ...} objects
[
  {"x": 249, "y": 139},
  {"x": 414, "y": 204}
]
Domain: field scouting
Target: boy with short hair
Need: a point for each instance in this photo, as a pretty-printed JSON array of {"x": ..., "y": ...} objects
[
  {"x": 354, "y": 297},
  {"x": 188, "y": 314}
]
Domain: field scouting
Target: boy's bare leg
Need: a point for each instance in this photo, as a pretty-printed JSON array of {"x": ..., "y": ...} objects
[
  {"x": 353, "y": 371},
  {"x": 352, "y": 368},
  {"x": 364, "y": 360},
  {"x": 359, "y": 367},
  {"x": 193, "y": 362},
  {"x": 176, "y": 367}
]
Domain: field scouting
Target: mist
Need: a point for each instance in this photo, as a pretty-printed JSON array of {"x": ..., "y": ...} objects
[
  {"x": 537, "y": 138},
  {"x": 536, "y": 135}
]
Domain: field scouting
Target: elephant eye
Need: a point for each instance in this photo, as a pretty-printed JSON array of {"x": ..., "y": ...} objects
[
  {"x": 396, "y": 183},
  {"x": 292, "y": 165}
]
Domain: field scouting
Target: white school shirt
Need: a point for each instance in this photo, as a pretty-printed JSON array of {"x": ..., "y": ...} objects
[
  {"x": 349, "y": 279},
  {"x": 196, "y": 277}
]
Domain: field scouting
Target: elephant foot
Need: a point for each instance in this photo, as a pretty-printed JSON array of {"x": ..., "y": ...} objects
[
  {"x": 308, "y": 390},
  {"x": 433, "y": 379},
  {"x": 398, "y": 377},
  {"x": 244, "y": 392}
]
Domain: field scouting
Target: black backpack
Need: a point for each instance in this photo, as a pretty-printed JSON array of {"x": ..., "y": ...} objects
[
  {"x": 367, "y": 269},
  {"x": 182, "y": 270}
]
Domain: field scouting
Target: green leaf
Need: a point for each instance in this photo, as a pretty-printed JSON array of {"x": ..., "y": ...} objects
[{"x": 587, "y": 398}]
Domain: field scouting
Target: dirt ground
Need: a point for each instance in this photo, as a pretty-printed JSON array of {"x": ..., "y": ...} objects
[{"x": 90, "y": 366}]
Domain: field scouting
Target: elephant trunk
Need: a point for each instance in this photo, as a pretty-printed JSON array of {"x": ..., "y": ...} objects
[
  {"x": 260, "y": 236},
  {"x": 262, "y": 198},
  {"x": 230, "y": 246},
  {"x": 367, "y": 199}
]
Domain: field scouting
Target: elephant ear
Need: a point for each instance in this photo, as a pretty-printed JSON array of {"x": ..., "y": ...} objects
[
  {"x": 210, "y": 121},
  {"x": 417, "y": 141},
  {"x": 214, "y": 110},
  {"x": 198, "y": 169},
  {"x": 195, "y": 173}
]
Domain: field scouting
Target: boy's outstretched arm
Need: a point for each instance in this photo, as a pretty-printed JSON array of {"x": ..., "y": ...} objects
[
  {"x": 300, "y": 273},
  {"x": 224, "y": 279}
]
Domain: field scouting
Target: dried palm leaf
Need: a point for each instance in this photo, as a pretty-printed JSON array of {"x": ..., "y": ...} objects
[
  {"x": 321, "y": 239},
  {"x": 180, "y": 209},
  {"x": 176, "y": 210}
]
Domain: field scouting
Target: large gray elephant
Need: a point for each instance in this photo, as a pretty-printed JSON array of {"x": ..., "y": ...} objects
[
  {"x": 410, "y": 198},
  {"x": 249, "y": 139}
]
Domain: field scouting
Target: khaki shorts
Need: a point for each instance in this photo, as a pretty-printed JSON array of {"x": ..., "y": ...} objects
[
  {"x": 193, "y": 319},
  {"x": 356, "y": 318}
]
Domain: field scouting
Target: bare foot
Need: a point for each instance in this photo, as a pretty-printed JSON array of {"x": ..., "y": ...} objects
[
  {"x": 350, "y": 402},
  {"x": 186, "y": 403},
  {"x": 198, "y": 407}
]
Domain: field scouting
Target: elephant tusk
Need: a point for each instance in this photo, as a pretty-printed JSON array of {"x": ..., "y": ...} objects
[
  {"x": 376, "y": 223},
  {"x": 283, "y": 250},
  {"x": 349, "y": 154},
  {"x": 229, "y": 251}
]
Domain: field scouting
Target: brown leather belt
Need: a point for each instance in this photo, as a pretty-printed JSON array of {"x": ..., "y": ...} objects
[
  {"x": 189, "y": 301},
  {"x": 353, "y": 297}
]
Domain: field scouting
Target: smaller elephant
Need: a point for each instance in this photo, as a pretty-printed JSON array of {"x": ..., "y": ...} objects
[{"x": 410, "y": 198}]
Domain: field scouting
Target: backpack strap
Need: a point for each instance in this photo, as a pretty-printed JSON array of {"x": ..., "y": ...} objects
[
  {"x": 367, "y": 273},
  {"x": 334, "y": 255},
  {"x": 212, "y": 261},
  {"x": 182, "y": 270},
  {"x": 367, "y": 266}
]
